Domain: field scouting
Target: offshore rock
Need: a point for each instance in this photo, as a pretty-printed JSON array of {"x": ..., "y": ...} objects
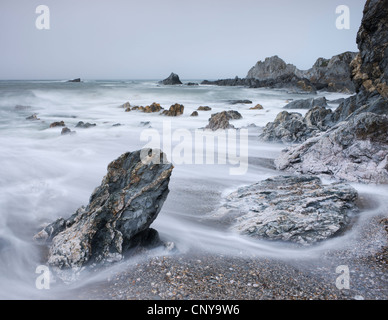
[
  {"x": 174, "y": 111},
  {"x": 173, "y": 79},
  {"x": 220, "y": 121},
  {"x": 297, "y": 209},
  {"x": 120, "y": 210}
]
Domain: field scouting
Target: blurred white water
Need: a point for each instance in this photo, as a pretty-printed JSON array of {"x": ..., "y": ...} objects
[{"x": 44, "y": 175}]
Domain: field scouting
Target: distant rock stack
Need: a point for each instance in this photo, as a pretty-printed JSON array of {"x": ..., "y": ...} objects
[
  {"x": 75, "y": 80},
  {"x": 173, "y": 79}
]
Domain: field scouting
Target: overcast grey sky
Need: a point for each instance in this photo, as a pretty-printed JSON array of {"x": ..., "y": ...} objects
[{"x": 148, "y": 39}]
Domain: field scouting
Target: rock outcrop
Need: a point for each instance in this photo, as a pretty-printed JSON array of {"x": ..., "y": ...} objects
[
  {"x": 220, "y": 121},
  {"x": 356, "y": 150},
  {"x": 271, "y": 68},
  {"x": 75, "y": 80},
  {"x": 119, "y": 213},
  {"x": 356, "y": 147},
  {"x": 326, "y": 74},
  {"x": 296, "y": 209},
  {"x": 291, "y": 128},
  {"x": 173, "y": 79},
  {"x": 174, "y": 111}
]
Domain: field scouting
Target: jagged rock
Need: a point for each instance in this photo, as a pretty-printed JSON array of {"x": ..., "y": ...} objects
[
  {"x": 173, "y": 79},
  {"x": 332, "y": 74},
  {"x": 174, "y": 111},
  {"x": 75, "y": 80},
  {"x": 355, "y": 150},
  {"x": 57, "y": 124},
  {"x": 154, "y": 107},
  {"x": 257, "y": 107},
  {"x": 204, "y": 108},
  {"x": 118, "y": 216},
  {"x": 33, "y": 117},
  {"x": 291, "y": 128},
  {"x": 271, "y": 68},
  {"x": 307, "y": 103},
  {"x": 220, "y": 121},
  {"x": 296, "y": 209},
  {"x": 194, "y": 114},
  {"x": 83, "y": 125},
  {"x": 192, "y": 84},
  {"x": 287, "y": 128}
]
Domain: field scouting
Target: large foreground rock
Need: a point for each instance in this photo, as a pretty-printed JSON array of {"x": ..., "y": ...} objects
[
  {"x": 296, "y": 209},
  {"x": 123, "y": 207},
  {"x": 355, "y": 150}
]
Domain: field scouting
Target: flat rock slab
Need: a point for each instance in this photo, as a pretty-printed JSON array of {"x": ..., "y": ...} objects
[{"x": 299, "y": 209}]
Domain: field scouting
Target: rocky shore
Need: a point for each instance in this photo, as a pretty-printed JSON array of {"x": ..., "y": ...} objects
[{"x": 296, "y": 208}]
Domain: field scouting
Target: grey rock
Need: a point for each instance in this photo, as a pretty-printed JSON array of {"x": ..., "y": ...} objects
[
  {"x": 83, "y": 125},
  {"x": 66, "y": 131},
  {"x": 297, "y": 209},
  {"x": 291, "y": 128},
  {"x": 75, "y": 80},
  {"x": 307, "y": 103},
  {"x": 271, "y": 68},
  {"x": 233, "y": 102},
  {"x": 173, "y": 79},
  {"x": 355, "y": 150},
  {"x": 33, "y": 117},
  {"x": 120, "y": 210}
]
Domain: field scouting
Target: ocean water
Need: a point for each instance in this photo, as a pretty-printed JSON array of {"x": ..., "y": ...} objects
[{"x": 44, "y": 175}]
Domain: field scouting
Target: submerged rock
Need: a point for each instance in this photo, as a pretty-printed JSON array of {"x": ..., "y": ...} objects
[
  {"x": 173, "y": 79},
  {"x": 66, "y": 131},
  {"x": 257, "y": 107},
  {"x": 86, "y": 125},
  {"x": 57, "y": 124},
  {"x": 119, "y": 213},
  {"x": 356, "y": 150},
  {"x": 194, "y": 114},
  {"x": 233, "y": 102},
  {"x": 75, "y": 80},
  {"x": 33, "y": 117},
  {"x": 296, "y": 209},
  {"x": 220, "y": 121},
  {"x": 204, "y": 108}
]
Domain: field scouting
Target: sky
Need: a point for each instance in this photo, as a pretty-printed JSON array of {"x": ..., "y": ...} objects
[{"x": 149, "y": 39}]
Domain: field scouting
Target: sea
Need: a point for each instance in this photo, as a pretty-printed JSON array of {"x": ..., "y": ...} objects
[{"x": 45, "y": 175}]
